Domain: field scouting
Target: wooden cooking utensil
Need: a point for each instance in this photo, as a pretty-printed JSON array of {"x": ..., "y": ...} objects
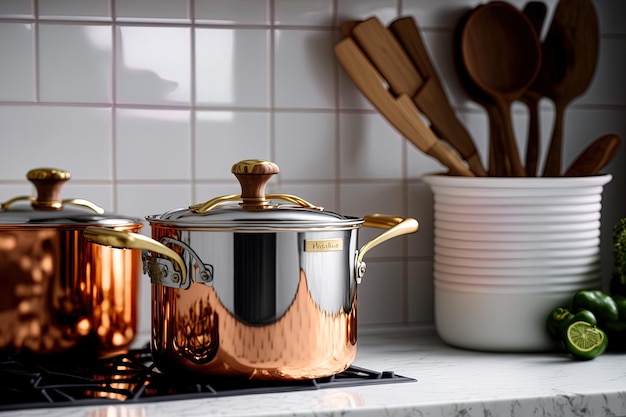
[
  {"x": 497, "y": 155},
  {"x": 400, "y": 112},
  {"x": 595, "y": 157},
  {"x": 570, "y": 53},
  {"x": 432, "y": 96},
  {"x": 347, "y": 26},
  {"x": 535, "y": 11},
  {"x": 502, "y": 55},
  {"x": 388, "y": 55}
]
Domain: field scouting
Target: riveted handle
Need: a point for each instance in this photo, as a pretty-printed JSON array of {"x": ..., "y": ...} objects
[
  {"x": 127, "y": 240},
  {"x": 396, "y": 226}
]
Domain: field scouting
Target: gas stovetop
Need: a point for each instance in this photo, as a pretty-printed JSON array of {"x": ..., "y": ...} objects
[{"x": 133, "y": 377}]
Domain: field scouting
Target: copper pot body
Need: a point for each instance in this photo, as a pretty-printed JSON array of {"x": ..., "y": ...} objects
[
  {"x": 61, "y": 296},
  {"x": 247, "y": 286},
  {"x": 294, "y": 320}
]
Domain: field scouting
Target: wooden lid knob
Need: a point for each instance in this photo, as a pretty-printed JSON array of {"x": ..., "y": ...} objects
[
  {"x": 253, "y": 175},
  {"x": 48, "y": 182}
]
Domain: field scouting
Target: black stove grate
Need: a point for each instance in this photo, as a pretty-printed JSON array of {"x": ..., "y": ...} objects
[{"x": 132, "y": 377}]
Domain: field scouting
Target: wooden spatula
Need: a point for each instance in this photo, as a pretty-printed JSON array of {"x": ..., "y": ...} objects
[
  {"x": 400, "y": 112},
  {"x": 396, "y": 67},
  {"x": 595, "y": 157},
  {"x": 432, "y": 96}
]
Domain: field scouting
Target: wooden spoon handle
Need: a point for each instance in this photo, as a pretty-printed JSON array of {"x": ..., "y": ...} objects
[
  {"x": 510, "y": 144},
  {"x": 532, "y": 143},
  {"x": 552, "y": 167},
  {"x": 595, "y": 157},
  {"x": 535, "y": 11}
]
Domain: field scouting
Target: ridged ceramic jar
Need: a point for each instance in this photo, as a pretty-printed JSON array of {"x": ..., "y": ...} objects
[{"x": 507, "y": 251}]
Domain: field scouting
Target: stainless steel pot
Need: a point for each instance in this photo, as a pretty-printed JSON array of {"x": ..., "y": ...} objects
[
  {"x": 254, "y": 285},
  {"x": 61, "y": 296}
]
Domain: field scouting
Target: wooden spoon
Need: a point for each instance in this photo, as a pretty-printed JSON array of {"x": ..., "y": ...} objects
[
  {"x": 570, "y": 53},
  {"x": 535, "y": 11},
  {"x": 502, "y": 55},
  {"x": 496, "y": 154},
  {"x": 595, "y": 157}
]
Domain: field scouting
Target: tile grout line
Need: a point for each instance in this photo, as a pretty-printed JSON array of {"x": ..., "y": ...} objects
[
  {"x": 114, "y": 40},
  {"x": 337, "y": 113},
  {"x": 193, "y": 116},
  {"x": 36, "y": 52},
  {"x": 272, "y": 85}
]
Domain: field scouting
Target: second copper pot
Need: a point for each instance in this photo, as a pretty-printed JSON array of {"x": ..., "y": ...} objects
[{"x": 61, "y": 296}]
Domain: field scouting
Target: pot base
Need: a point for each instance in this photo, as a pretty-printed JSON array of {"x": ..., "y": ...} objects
[
  {"x": 194, "y": 332},
  {"x": 61, "y": 297}
]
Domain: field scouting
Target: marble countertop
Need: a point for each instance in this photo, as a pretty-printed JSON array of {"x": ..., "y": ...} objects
[{"x": 449, "y": 382}]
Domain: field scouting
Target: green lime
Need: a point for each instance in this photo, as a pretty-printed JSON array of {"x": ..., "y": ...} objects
[{"x": 584, "y": 340}]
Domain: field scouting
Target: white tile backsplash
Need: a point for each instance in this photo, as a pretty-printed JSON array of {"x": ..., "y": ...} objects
[
  {"x": 161, "y": 136},
  {"x": 225, "y": 137},
  {"x": 305, "y": 145},
  {"x": 75, "y": 63},
  {"x": 224, "y": 57},
  {"x": 304, "y": 12},
  {"x": 604, "y": 89},
  {"x": 145, "y": 199},
  {"x": 70, "y": 137},
  {"x": 304, "y": 73},
  {"x": 369, "y": 147},
  {"x": 379, "y": 293},
  {"x": 74, "y": 9},
  {"x": 17, "y": 8},
  {"x": 233, "y": 12},
  {"x": 385, "y": 10},
  {"x": 150, "y": 102},
  {"x": 153, "y": 65},
  {"x": 17, "y": 48},
  {"x": 419, "y": 296},
  {"x": 153, "y": 10}
]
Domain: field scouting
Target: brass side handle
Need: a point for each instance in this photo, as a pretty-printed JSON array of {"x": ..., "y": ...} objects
[
  {"x": 397, "y": 226},
  {"x": 128, "y": 240}
]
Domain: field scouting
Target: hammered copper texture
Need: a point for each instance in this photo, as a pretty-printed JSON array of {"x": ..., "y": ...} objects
[
  {"x": 192, "y": 331},
  {"x": 59, "y": 293}
]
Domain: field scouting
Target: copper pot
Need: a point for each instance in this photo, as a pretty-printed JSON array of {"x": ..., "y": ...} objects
[
  {"x": 254, "y": 285},
  {"x": 61, "y": 296}
]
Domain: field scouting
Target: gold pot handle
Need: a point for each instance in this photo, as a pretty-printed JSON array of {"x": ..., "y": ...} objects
[
  {"x": 128, "y": 240},
  {"x": 396, "y": 226}
]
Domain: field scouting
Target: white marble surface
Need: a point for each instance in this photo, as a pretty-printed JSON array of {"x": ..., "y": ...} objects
[{"x": 450, "y": 382}]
